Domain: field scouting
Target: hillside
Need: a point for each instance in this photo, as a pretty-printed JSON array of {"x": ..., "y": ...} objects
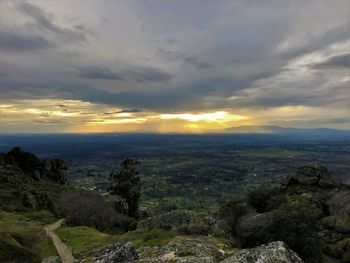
[
  {"x": 304, "y": 217},
  {"x": 28, "y": 183}
]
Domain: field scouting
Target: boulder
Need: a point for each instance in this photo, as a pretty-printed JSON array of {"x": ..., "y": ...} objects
[
  {"x": 274, "y": 252},
  {"x": 26, "y": 161},
  {"x": 116, "y": 253},
  {"x": 185, "y": 219},
  {"x": 53, "y": 259},
  {"x": 312, "y": 175},
  {"x": 253, "y": 226},
  {"x": 184, "y": 251},
  {"x": 54, "y": 170}
]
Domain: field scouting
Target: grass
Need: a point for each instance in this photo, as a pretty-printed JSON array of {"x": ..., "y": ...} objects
[
  {"x": 23, "y": 240},
  {"x": 84, "y": 241}
]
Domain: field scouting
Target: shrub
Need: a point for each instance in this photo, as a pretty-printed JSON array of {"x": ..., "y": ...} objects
[
  {"x": 126, "y": 224},
  {"x": 89, "y": 209},
  {"x": 260, "y": 197},
  {"x": 231, "y": 211},
  {"x": 291, "y": 224},
  {"x": 297, "y": 229}
]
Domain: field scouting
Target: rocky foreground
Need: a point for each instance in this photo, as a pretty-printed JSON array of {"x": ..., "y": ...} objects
[
  {"x": 310, "y": 210},
  {"x": 306, "y": 216},
  {"x": 192, "y": 251}
]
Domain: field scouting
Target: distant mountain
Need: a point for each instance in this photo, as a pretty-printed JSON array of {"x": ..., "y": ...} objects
[{"x": 283, "y": 130}]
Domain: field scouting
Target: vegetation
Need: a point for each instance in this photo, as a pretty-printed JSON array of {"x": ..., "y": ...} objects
[
  {"x": 89, "y": 209},
  {"x": 291, "y": 214},
  {"x": 299, "y": 214},
  {"x": 231, "y": 212},
  {"x": 84, "y": 241},
  {"x": 127, "y": 185},
  {"x": 23, "y": 240}
]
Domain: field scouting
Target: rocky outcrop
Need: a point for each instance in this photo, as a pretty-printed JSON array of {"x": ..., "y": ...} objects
[
  {"x": 117, "y": 253},
  {"x": 312, "y": 175},
  {"x": 253, "y": 225},
  {"x": 186, "y": 221},
  {"x": 185, "y": 251},
  {"x": 53, "y": 259},
  {"x": 54, "y": 170},
  {"x": 28, "y": 183},
  {"x": 274, "y": 252},
  {"x": 191, "y": 250},
  {"x": 339, "y": 207}
]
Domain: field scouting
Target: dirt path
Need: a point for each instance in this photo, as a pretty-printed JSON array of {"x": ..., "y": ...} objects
[{"x": 62, "y": 250}]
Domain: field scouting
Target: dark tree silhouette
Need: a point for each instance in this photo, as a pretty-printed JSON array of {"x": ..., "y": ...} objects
[{"x": 127, "y": 185}]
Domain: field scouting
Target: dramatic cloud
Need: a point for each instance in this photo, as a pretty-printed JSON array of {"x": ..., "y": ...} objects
[
  {"x": 195, "y": 62},
  {"x": 97, "y": 73},
  {"x": 44, "y": 22},
  {"x": 159, "y": 65},
  {"x": 148, "y": 74},
  {"x": 342, "y": 60},
  {"x": 16, "y": 42}
]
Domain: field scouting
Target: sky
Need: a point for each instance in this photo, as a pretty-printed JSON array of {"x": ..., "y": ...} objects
[{"x": 191, "y": 66}]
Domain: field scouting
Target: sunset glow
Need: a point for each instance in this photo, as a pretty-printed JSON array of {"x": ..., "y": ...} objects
[{"x": 133, "y": 66}]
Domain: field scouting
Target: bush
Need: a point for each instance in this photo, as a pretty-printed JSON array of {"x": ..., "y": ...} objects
[
  {"x": 291, "y": 224},
  {"x": 42, "y": 216},
  {"x": 260, "y": 197},
  {"x": 89, "y": 209},
  {"x": 126, "y": 224},
  {"x": 231, "y": 211},
  {"x": 297, "y": 229}
]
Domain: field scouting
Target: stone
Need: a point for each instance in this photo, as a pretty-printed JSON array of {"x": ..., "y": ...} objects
[
  {"x": 184, "y": 251},
  {"x": 52, "y": 259},
  {"x": 312, "y": 175},
  {"x": 252, "y": 225},
  {"x": 54, "y": 170},
  {"x": 274, "y": 252},
  {"x": 117, "y": 253}
]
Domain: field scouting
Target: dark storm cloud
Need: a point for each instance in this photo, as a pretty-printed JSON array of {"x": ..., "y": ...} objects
[
  {"x": 136, "y": 74},
  {"x": 20, "y": 42},
  {"x": 93, "y": 72},
  {"x": 142, "y": 74},
  {"x": 44, "y": 22},
  {"x": 197, "y": 63},
  {"x": 342, "y": 61}
]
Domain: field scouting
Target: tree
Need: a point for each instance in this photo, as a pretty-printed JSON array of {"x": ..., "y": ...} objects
[{"x": 127, "y": 185}]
